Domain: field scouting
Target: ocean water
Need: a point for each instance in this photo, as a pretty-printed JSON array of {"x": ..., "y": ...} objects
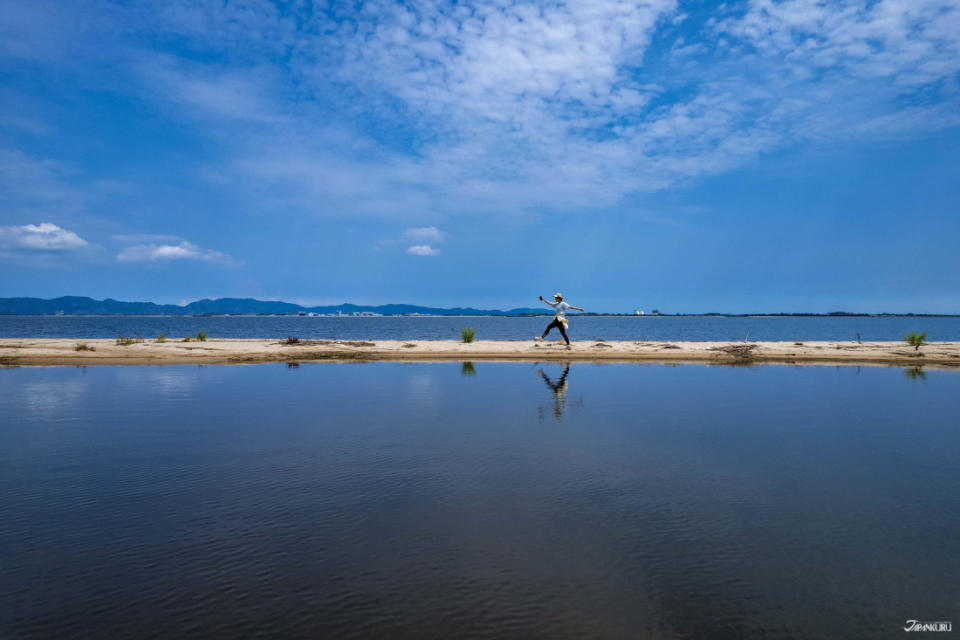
[
  {"x": 486, "y": 500},
  {"x": 488, "y": 328}
]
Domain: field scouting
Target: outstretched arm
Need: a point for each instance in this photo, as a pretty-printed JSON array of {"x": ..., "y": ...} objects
[
  {"x": 580, "y": 309},
  {"x": 545, "y": 301}
]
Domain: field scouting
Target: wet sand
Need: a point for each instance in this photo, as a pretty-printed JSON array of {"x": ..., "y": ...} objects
[{"x": 46, "y": 352}]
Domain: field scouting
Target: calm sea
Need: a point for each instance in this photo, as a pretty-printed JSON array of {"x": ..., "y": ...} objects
[
  {"x": 488, "y": 328},
  {"x": 487, "y": 500}
]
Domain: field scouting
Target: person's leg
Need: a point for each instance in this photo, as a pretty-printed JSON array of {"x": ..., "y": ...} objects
[
  {"x": 551, "y": 326},
  {"x": 562, "y": 332}
]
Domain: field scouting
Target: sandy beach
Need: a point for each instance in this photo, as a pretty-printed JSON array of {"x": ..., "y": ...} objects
[{"x": 48, "y": 352}]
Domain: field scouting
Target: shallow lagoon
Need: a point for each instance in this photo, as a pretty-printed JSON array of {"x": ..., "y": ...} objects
[{"x": 478, "y": 500}]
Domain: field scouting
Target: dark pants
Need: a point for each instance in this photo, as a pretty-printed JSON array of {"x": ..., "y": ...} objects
[{"x": 559, "y": 325}]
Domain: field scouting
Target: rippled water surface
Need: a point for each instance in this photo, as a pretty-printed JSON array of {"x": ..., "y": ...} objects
[
  {"x": 483, "y": 500},
  {"x": 940, "y": 328}
]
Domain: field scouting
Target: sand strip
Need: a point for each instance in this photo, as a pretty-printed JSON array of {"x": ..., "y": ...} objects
[{"x": 44, "y": 352}]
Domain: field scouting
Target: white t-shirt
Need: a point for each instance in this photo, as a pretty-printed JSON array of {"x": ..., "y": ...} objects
[{"x": 559, "y": 307}]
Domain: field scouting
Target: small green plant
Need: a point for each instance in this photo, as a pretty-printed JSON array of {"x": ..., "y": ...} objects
[
  {"x": 467, "y": 334},
  {"x": 83, "y": 346},
  {"x": 201, "y": 336},
  {"x": 123, "y": 341},
  {"x": 188, "y": 339},
  {"x": 162, "y": 337},
  {"x": 916, "y": 340}
]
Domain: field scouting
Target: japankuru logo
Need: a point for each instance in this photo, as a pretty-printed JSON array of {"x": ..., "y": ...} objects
[{"x": 918, "y": 625}]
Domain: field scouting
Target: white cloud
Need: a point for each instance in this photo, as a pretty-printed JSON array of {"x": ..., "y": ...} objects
[
  {"x": 241, "y": 96},
  {"x": 562, "y": 106},
  {"x": 424, "y": 234},
  {"x": 45, "y": 236},
  {"x": 504, "y": 106},
  {"x": 165, "y": 252},
  {"x": 419, "y": 236},
  {"x": 423, "y": 250},
  {"x": 28, "y": 181},
  {"x": 141, "y": 238}
]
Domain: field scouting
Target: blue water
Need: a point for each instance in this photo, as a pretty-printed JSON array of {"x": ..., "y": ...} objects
[
  {"x": 488, "y": 328},
  {"x": 487, "y": 500}
]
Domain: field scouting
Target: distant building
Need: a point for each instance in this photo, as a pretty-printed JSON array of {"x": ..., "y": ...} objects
[
  {"x": 638, "y": 312},
  {"x": 655, "y": 312}
]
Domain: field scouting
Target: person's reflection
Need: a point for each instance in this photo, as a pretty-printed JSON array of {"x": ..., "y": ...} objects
[{"x": 559, "y": 389}]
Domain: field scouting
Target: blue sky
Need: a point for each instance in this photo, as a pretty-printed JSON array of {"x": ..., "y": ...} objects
[{"x": 686, "y": 156}]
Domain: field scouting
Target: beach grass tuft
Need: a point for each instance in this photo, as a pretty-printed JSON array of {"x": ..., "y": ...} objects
[
  {"x": 83, "y": 346},
  {"x": 468, "y": 334},
  {"x": 201, "y": 336},
  {"x": 188, "y": 339},
  {"x": 916, "y": 340},
  {"x": 162, "y": 337},
  {"x": 290, "y": 340},
  {"x": 124, "y": 341}
]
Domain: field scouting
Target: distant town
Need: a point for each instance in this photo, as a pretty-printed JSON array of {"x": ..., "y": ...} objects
[{"x": 81, "y": 305}]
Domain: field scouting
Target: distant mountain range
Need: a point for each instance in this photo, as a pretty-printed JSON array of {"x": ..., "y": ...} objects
[
  {"x": 81, "y": 306},
  {"x": 78, "y": 305}
]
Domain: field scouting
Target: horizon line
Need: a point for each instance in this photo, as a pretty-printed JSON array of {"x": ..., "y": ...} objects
[{"x": 520, "y": 310}]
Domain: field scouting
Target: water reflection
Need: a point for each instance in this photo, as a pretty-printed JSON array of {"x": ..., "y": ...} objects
[
  {"x": 467, "y": 369},
  {"x": 915, "y": 373},
  {"x": 558, "y": 387},
  {"x": 399, "y": 500}
]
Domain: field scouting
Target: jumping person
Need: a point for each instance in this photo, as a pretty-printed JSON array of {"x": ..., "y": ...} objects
[{"x": 559, "y": 320}]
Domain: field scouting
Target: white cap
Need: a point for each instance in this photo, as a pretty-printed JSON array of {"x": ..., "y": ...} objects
[{"x": 558, "y": 295}]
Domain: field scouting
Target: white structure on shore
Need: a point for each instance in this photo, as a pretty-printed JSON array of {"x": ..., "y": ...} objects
[{"x": 638, "y": 312}]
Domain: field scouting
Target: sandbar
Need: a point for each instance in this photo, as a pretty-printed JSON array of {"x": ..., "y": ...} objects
[{"x": 61, "y": 351}]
